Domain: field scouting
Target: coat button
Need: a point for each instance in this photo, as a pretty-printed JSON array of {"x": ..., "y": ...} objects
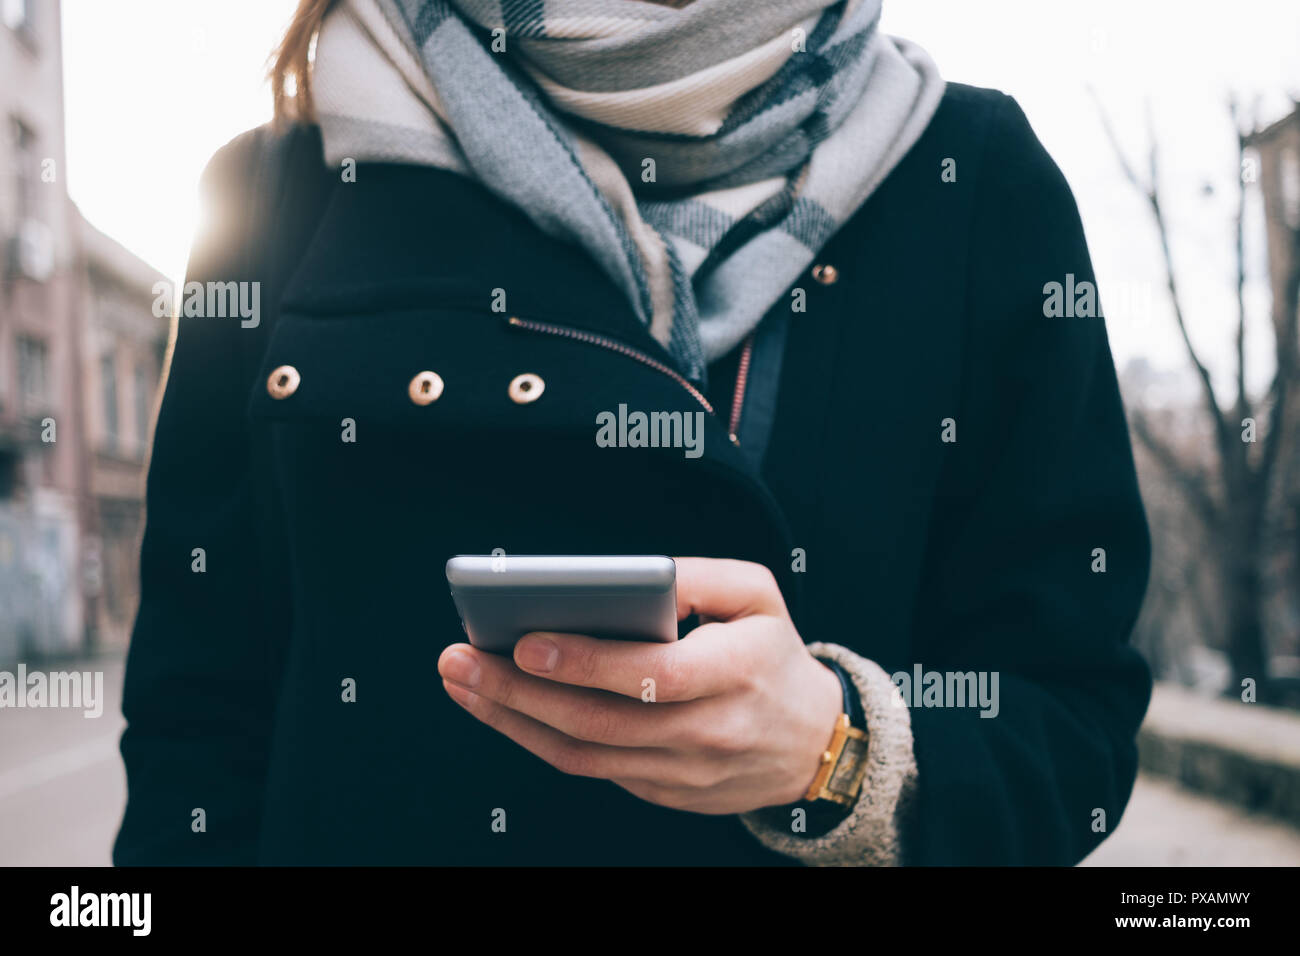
[
  {"x": 826, "y": 274},
  {"x": 425, "y": 388},
  {"x": 283, "y": 382},
  {"x": 526, "y": 388}
]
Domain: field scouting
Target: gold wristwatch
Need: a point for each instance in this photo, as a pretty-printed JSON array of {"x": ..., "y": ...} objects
[{"x": 844, "y": 761}]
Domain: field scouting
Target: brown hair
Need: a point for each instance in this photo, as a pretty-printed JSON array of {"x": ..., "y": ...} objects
[{"x": 291, "y": 64}]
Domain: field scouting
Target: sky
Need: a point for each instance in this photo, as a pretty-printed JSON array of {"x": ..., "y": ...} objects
[{"x": 154, "y": 87}]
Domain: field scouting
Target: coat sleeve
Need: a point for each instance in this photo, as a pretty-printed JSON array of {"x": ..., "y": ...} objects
[
  {"x": 202, "y": 668},
  {"x": 1039, "y": 552}
]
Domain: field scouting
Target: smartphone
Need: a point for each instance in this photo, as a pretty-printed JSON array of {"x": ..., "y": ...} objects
[{"x": 500, "y": 597}]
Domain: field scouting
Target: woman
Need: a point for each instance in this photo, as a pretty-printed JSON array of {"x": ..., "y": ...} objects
[{"x": 914, "y": 512}]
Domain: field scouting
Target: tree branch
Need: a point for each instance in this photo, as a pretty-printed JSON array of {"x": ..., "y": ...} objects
[
  {"x": 1151, "y": 191},
  {"x": 1190, "y": 481}
]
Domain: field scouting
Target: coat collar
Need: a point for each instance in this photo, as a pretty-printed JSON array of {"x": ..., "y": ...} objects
[{"x": 405, "y": 236}]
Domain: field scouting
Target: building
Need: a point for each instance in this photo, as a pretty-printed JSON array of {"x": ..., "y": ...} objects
[
  {"x": 1277, "y": 149},
  {"x": 80, "y": 356},
  {"x": 123, "y": 346}
]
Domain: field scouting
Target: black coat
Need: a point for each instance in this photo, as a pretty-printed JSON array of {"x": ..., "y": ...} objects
[{"x": 324, "y": 558}]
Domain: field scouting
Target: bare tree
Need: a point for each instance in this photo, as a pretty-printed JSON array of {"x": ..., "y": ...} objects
[{"x": 1229, "y": 490}]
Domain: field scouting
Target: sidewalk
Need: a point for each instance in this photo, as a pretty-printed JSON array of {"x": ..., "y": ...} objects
[
  {"x": 62, "y": 787},
  {"x": 1238, "y": 753},
  {"x": 1167, "y": 825}
]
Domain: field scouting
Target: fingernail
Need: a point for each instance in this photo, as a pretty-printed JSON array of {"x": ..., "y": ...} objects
[
  {"x": 537, "y": 654},
  {"x": 461, "y": 668}
]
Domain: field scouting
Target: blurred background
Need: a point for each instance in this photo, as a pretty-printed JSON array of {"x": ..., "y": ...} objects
[{"x": 1176, "y": 123}]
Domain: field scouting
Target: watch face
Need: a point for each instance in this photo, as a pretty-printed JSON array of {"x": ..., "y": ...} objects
[{"x": 850, "y": 768}]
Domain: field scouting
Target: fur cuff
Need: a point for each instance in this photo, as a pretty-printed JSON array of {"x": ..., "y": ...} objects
[{"x": 869, "y": 835}]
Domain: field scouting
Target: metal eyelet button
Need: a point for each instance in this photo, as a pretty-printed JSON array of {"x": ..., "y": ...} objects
[
  {"x": 826, "y": 274},
  {"x": 283, "y": 382},
  {"x": 425, "y": 388},
  {"x": 526, "y": 388}
]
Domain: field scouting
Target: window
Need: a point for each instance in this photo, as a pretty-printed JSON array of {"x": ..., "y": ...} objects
[
  {"x": 27, "y": 168},
  {"x": 33, "y": 375},
  {"x": 1289, "y": 177},
  {"x": 108, "y": 398},
  {"x": 17, "y": 14},
  {"x": 143, "y": 405}
]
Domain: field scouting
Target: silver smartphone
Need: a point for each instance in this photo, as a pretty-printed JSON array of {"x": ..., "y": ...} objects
[{"x": 502, "y": 597}]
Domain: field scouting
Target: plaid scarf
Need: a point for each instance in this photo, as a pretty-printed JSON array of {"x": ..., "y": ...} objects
[{"x": 700, "y": 155}]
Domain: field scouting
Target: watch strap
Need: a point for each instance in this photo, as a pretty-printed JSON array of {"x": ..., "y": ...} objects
[
  {"x": 839, "y": 778},
  {"x": 852, "y": 703}
]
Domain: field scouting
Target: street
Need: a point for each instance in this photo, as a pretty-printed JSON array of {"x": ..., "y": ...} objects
[
  {"x": 62, "y": 787},
  {"x": 62, "y": 790}
]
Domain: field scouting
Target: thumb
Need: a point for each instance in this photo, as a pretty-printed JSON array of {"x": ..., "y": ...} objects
[{"x": 720, "y": 589}]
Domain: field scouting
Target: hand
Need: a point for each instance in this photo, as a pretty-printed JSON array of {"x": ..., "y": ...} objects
[{"x": 731, "y": 718}]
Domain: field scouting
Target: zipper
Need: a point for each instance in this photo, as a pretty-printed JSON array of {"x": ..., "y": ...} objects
[
  {"x": 613, "y": 345},
  {"x": 738, "y": 397},
  {"x": 756, "y": 487}
]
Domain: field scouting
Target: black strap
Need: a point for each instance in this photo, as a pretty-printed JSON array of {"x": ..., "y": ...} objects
[{"x": 852, "y": 703}]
